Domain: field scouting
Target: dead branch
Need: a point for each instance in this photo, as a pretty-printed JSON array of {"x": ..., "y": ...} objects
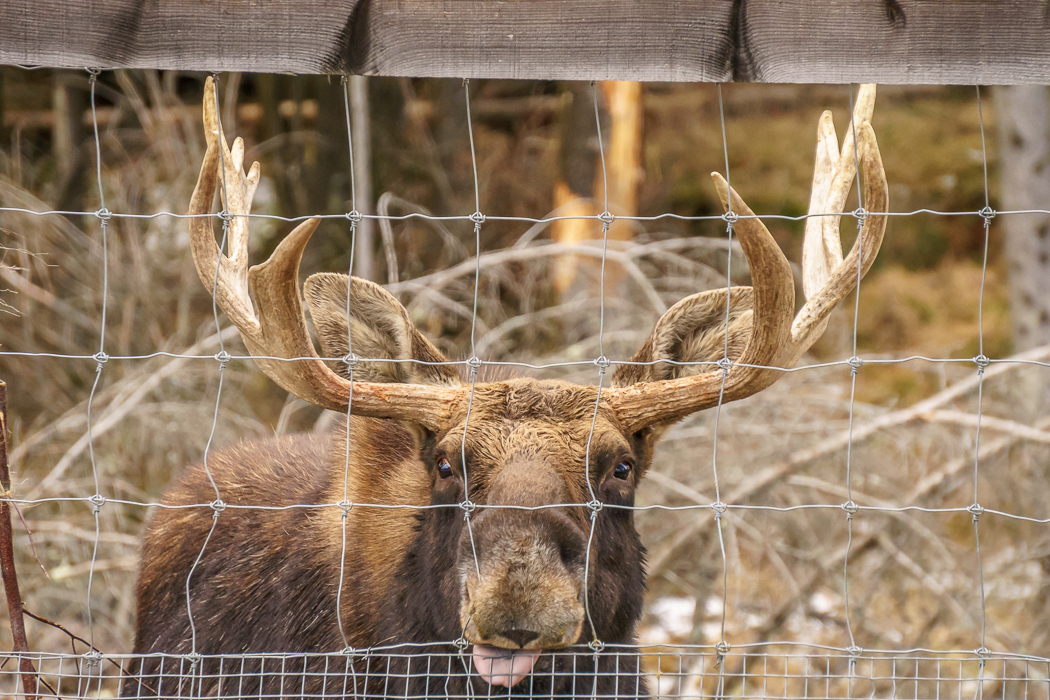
[
  {"x": 73, "y": 638},
  {"x": 1019, "y": 431},
  {"x": 778, "y": 472},
  {"x": 116, "y": 413},
  {"x": 7, "y": 561}
]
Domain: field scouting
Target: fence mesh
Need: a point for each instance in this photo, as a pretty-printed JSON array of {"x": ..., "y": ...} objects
[{"x": 745, "y": 668}]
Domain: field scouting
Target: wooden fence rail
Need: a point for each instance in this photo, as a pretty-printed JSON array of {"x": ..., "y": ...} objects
[{"x": 787, "y": 41}]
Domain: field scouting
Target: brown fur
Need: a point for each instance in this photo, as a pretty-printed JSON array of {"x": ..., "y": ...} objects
[{"x": 268, "y": 579}]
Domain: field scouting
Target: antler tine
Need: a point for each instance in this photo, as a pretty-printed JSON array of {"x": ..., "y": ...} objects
[
  {"x": 227, "y": 275},
  {"x": 279, "y": 329},
  {"x": 821, "y": 255},
  {"x": 643, "y": 404},
  {"x": 778, "y": 339},
  {"x": 812, "y": 318},
  {"x": 833, "y": 175}
]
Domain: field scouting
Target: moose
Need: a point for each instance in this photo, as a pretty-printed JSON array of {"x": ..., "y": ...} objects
[{"x": 488, "y": 521}]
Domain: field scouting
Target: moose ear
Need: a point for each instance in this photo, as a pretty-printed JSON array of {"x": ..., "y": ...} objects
[
  {"x": 693, "y": 330},
  {"x": 380, "y": 328}
]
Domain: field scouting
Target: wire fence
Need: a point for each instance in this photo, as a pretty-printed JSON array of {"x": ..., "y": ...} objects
[
  {"x": 762, "y": 668},
  {"x": 679, "y": 673}
]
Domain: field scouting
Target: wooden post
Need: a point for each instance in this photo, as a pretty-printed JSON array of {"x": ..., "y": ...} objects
[{"x": 7, "y": 560}]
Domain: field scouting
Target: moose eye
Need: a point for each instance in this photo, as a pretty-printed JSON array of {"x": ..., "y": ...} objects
[
  {"x": 444, "y": 468},
  {"x": 623, "y": 469}
]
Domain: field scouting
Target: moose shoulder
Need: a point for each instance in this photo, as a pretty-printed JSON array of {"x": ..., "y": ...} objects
[{"x": 385, "y": 557}]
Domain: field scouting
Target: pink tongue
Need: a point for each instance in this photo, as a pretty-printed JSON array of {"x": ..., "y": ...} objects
[{"x": 503, "y": 666}]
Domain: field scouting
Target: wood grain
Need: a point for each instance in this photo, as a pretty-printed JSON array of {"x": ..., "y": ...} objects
[{"x": 785, "y": 41}]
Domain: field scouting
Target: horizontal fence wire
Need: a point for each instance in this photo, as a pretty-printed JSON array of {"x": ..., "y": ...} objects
[
  {"x": 758, "y": 669},
  {"x": 666, "y": 672}
]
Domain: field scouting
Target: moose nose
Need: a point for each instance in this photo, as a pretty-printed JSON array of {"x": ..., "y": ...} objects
[{"x": 519, "y": 636}]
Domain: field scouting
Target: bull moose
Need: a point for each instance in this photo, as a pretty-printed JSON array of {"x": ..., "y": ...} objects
[{"x": 541, "y": 554}]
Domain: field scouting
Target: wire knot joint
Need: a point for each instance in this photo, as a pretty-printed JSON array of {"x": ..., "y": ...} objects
[
  {"x": 606, "y": 217},
  {"x": 345, "y": 506},
  {"x": 987, "y": 213},
  {"x": 468, "y": 506},
  {"x": 976, "y": 510},
  {"x": 983, "y": 653},
  {"x": 730, "y": 217},
  {"x": 851, "y": 509},
  {"x": 725, "y": 364},
  {"x": 97, "y": 501},
  {"x": 478, "y": 218},
  {"x": 854, "y": 650},
  {"x": 596, "y": 645},
  {"x": 461, "y": 644},
  {"x": 860, "y": 214},
  {"x": 223, "y": 358},
  {"x": 719, "y": 508},
  {"x": 603, "y": 363},
  {"x": 218, "y": 505},
  {"x": 595, "y": 506},
  {"x": 350, "y": 360},
  {"x": 93, "y": 657},
  {"x": 354, "y": 216},
  {"x": 982, "y": 363},
  {"x": 100, "y": 358}
]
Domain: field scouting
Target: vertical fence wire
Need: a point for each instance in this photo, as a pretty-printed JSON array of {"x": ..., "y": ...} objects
[
  {"x": 849, "y": 506},
  {"x": 223, "y": 358},
  {"x": 595, "y": 505},
  {"x": 982, "y": 362},
  {"x": 97, "y": 500},
  {"x": 474, "y": 363},
  {"x": 351, "y": 364},
  {"x": 719, "y": 509}
]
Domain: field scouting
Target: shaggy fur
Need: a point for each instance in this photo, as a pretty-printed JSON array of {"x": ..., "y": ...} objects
[{"x": 268, "y": 580}]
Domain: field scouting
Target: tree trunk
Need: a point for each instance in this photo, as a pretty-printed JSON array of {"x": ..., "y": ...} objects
[
  {"x": 362, "y": 135},
  {"x": 68, "y": 103},
  {"x": 1024, "y": 167},
  {"x": 582, "y": 168},
  {"x": 576, "y": 161}
]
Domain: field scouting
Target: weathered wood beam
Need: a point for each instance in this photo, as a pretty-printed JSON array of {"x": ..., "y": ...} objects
[{"x": 833, "y": 41}]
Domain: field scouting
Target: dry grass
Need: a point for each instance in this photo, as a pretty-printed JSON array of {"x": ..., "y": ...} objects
[{"x": 913, "y": 576}]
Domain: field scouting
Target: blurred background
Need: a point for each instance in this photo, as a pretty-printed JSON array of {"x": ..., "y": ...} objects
[{"x": 913, "y": 575}]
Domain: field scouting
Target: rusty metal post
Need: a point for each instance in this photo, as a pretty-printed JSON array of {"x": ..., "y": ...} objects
[{"x": 7, "y": 560}]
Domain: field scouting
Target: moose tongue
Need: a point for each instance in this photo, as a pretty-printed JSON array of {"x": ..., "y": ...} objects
[{"x": 503, "y": 666}]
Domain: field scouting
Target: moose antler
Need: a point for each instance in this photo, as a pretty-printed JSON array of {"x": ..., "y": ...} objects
[
  {"x": 779, "y": 337},
  {"x": 276, "y": 327}
]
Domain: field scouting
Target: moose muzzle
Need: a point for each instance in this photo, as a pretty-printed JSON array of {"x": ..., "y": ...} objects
[{"x": 524, "y": 592}]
